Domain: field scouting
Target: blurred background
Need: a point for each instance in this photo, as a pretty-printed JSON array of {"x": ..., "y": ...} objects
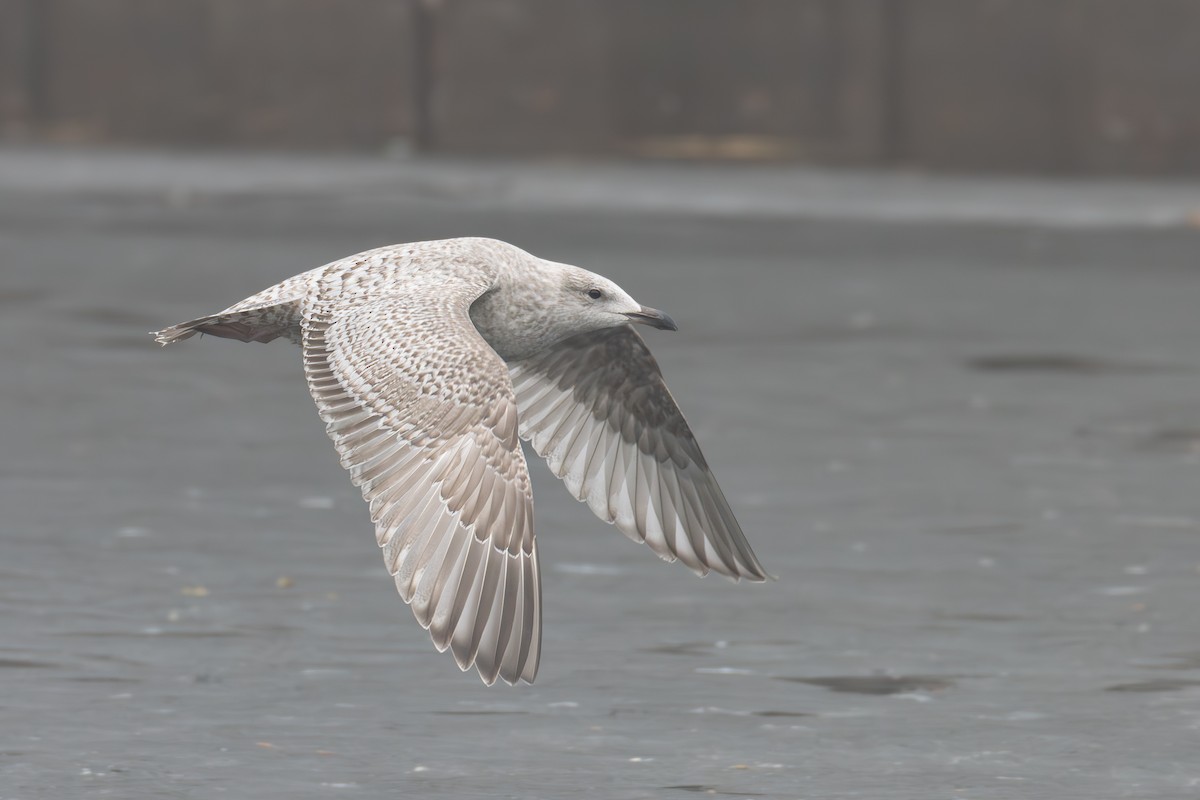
[
  {"x": 936, "y": 266},
  {"x": 1059, "y": 86}
]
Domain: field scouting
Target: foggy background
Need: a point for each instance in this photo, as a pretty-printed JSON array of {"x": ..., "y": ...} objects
[
  {"x": 935, "y": 265},
  {"x": 1060, "y": 86}
]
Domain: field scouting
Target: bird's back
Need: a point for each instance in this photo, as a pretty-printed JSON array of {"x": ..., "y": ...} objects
[{"x": 418, "y": 274}]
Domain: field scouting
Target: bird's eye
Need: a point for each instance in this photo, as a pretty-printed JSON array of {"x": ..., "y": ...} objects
[{"x": 595, "y": 294}]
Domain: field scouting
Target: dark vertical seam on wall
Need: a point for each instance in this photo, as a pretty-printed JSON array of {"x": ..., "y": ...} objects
[
  {"x": 892, "y": 145},
  {"x": 1073, "y": 85},
  {"x": 35, "y": 58},
  {"x": 837, "y": 139},
  {"x": 422, "y": 75}
]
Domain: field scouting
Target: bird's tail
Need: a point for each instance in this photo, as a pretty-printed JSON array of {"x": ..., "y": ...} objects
[
  {"x": 251, "y": 325},
  {"x": 176, "y": 333}
]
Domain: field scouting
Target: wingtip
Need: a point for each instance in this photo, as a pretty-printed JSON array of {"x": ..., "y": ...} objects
[
  {"x": 529, "y": 674},
  {"x": 756, "y": 574},
  {"x": 507, "y": 681},
  {"x": 748, "y": 577},
  {"x": 486, "y": 673}
]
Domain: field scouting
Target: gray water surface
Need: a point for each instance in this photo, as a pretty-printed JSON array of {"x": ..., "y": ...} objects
[{"x": 970, "y": 452}]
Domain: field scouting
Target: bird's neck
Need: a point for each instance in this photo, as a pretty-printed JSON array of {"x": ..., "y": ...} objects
[{"x": 514, "y": 317}]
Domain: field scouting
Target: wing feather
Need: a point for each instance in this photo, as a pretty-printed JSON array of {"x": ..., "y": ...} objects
[
  {"x": 432, "y": 443},
  {"x": 595, "y": 407}
]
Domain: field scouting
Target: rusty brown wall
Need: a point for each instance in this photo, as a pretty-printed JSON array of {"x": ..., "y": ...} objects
[
  {"x": 1092, "y": 86},
  {"x": 1068, "y": 86},
  {"x": 753, "y": 78},
  {"x": 16, "y": 44},
  {"x": 293, "y": 72}
]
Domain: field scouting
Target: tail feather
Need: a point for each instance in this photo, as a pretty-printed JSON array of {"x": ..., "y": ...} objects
[
  {"x": 259, "y": 325},
  {"x": 175, "y": 333}
]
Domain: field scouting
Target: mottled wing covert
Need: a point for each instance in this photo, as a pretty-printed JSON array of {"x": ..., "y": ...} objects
[{"x": 423, "y": 415}]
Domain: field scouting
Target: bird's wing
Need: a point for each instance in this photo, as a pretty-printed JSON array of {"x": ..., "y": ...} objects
[
  {"x": 423, "y": 414},
  {"x": 596, "y": 408}
]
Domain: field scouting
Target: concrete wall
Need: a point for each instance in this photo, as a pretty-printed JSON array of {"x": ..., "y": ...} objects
[{"x": 1086, "y": 86}]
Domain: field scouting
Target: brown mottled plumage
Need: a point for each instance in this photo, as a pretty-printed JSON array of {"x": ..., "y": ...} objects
[{"x": 427, "y": 361}]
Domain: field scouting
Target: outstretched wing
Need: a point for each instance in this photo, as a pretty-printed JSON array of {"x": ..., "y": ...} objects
[
  {"x": 422, "y": 412},
  {"x": 596, "y": 408}
]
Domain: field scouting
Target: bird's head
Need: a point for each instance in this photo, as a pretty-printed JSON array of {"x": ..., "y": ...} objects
[{"x": 596, "y": 303}]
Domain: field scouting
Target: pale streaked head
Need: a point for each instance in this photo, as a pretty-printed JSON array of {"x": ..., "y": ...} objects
[{"x": 597, "y": 303}]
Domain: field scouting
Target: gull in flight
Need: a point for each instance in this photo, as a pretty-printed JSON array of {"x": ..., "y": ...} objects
[{"x": 427, "y": 361}]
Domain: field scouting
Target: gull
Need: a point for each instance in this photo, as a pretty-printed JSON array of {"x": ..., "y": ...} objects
[{"x": 428, "y": 363}]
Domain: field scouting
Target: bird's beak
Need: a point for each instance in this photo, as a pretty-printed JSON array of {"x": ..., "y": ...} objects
[{"x": 652, "y": 317}]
